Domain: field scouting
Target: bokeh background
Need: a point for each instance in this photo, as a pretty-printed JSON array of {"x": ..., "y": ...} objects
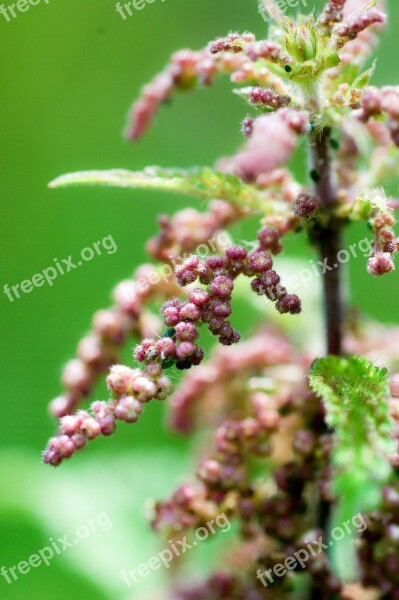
[{"x": 69, "y": 71}]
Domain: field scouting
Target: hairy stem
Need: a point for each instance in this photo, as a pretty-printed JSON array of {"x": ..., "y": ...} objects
[{"x": 329, "y": 241}]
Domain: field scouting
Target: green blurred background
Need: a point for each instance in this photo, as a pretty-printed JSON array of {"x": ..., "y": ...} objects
[{"x": 69, "y": 72}]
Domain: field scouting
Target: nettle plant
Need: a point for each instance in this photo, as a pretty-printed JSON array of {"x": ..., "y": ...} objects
[{"x": 299, "y": 444}]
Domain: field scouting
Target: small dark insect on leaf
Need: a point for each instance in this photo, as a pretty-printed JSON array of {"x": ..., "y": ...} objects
[{"x": 287, "y": 69}]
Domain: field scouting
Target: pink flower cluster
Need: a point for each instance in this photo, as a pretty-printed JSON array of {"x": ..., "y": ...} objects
[
  {"x": 356, "y": 27},
  {"x": 246, "y": 44},
  {"x": 332, "y": 13},
  {"x": 219, "y": 273},
  {"x": 226, "y": 470},
  {"x": 110, "y": 329},
  {"x": 272, "y": 140},
  {"x": 268, "y": 98},
  {"x": 131, "y": 388},
  {"x": 212, "y": 392},
  {"x": 186, "y": 70},
  {"x": 376, "y": 101},
  {"x": 188, "y": 229},
  {"x": 235, "y": 55},
  {"x": 305, "y": 205},
  {"x": 385, "y": 244},
  {"x": 177, "y": 347},
  {"x": 231, "y": 43},
  {"x": 355, "y": 23},
  {"x": 213, "y": 305},
  {"x": 225, "y": 477}
]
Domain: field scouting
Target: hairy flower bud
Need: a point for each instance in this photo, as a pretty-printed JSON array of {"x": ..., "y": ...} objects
[
  {"x": 302, "y": 42},
  {"x": 305, "y": 205},
  {"x": 380, "y": 264},
  {"x": 128, "y": 409}
]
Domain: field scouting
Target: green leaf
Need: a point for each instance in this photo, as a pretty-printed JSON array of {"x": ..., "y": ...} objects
[
  {"x": 365, "y": 77},
  {"x": 204, "y": 183},
  {"x": 355, "y": 393},
  {"x": 347, "y": 74}
]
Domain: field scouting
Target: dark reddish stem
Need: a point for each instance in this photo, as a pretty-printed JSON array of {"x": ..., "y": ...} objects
[{"x": 329, "y": 240}]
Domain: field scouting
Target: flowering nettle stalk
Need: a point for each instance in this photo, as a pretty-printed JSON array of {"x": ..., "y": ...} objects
[{"x": 301, "y": 443}]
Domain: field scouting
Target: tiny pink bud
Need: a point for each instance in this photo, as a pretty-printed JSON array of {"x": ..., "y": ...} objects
[
  {"x": 79, "y": 440},
  {"x": 107, "y": 425},
  {"x": 189, "y": 312},
  {"x": 186, "y": 331},
  {"x": 289, "y": 303},
  {"x": 76, "y": 376},
  {"x": 184, "y": 350},
  {"x": 260, "y": 262},
  {"x": 126, "y": 297},
  {"x": 380, "y": 264},
  {"x": 90, "y": 427},
  {"x": 164, "y": 388},
  {"x": 247, "y": 126},
  {"x": 165, "y": 347},
  {"x": 69, "y": 424},
  {"x": 222, "y": 287},
  {"x": 209, "y": 471},
  {"x": 65, "y": 446},
  {"x": 62, "y": 405},
  {"x": 199, "y": 297},
  {"x": 221, "y": 309},
  {"x": 110, "y": 325},
  {"x": 144, "y": 389},
  {"x": 268, "y": 238},
  {"x": 51, "y": 456},
  {"x": 90, "y": 350},
  {"x": 236, "y": 253},
  {"x": 170, "y": 315},
  {"x": 153, "y": 370},
  {"x": 305, "y": 205},
  {"x": 120, "y": 379},
  {"x": 128, "y": 409}
]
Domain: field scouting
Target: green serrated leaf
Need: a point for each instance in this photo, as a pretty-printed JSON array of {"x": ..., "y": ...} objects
[
  {"x": 355, "y": 393},
  {"x": 204, "y": 183}
]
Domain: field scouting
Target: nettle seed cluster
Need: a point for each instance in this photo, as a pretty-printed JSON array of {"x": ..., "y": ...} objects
[{"x": 291, "y": 440}]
